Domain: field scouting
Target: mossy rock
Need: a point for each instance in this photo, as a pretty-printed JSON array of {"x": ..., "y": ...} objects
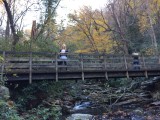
[{"x": 4, "y": 93}]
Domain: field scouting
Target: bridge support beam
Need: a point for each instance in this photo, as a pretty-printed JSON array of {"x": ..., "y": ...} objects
[
  {"x": 106, "y": 75},
  {"x": 144, "y": 64},
  {"x": 30, "y": 68},
  {"x": 126, "y": 66},
  {"x": 105, "y": 67},
  {"x": 82, "y": 66},
  {"x": 56, "y": 65},
  {"x": 146, "y": 74}
]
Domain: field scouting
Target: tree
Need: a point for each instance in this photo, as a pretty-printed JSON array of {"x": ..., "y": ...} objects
[
  {"x": 48, "y": 22},
  {"x": 90, "y": 27},
  {"x": 10, "y": 17}
]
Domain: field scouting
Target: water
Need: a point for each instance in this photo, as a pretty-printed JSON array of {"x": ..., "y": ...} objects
[{"x": 82, "y": 105}]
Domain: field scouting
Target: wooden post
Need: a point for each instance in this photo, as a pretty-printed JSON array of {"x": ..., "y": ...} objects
[
  {"x": 105, "y": 67},
  {"x": 3, "y": 65},
  {"x": 82, "y": 66},
  {"x": 144, "y": 64},
  {"x": 56, "y": 67},
  {"x": 125, "y": 60},
  {"x": 30, "y": 68}
]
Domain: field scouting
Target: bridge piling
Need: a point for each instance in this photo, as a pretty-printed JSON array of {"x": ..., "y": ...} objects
[
  {"x": 56, "y": 65},
  {"x": 30, "y": 68},
  {"x": 144, "y": 64},
  {"x": 82, "y": 66},
  {"x": 105, "y": 67},
  {"x": 126, "y": 66}
]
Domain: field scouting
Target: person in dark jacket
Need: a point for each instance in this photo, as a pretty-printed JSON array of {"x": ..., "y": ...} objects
[{"x": 136, "y": 62}]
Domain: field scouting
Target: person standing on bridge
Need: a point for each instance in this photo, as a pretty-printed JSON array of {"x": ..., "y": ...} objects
[
  {"x": 136, "y": 62},
  {"x": 63, "y": 55}
]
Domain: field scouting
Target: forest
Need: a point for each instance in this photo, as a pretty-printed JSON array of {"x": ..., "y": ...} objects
[{"x": 122, "y": 27}]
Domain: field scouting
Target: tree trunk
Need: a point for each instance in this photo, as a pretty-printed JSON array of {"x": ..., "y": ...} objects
[
  {"x": 7, "y": 31},
  {"x": 10, "y": 17},
  {"x": 153, "y": 36},
  {"x": 120, "y": 29}
]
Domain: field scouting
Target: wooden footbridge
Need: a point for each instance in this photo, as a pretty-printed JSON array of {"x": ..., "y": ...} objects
[{"x": 36, "y": 66}]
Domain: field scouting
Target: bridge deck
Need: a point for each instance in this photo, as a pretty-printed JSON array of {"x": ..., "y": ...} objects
[{"x": 20, "y": 66}]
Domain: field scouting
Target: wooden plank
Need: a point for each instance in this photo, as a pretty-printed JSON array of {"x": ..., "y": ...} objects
[{"x": 77, "y": 75}]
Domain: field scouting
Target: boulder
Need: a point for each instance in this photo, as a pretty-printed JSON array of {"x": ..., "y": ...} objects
[
  {"x": 80, "y": 117},
  {"x": 4, "y": 93}
]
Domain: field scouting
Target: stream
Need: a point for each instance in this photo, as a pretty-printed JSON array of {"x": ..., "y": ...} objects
[{"x": 91, "y": 102}]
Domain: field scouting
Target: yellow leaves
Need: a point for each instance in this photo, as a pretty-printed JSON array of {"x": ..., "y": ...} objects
[
  {"x": 82, "y": 51},
  {"x": 89, "y": 33},
  {"x": 143, "y": 23},
  {"x": 131, "y": 4},
  {"x": 1, "y": 1},
  {"x": 1, "y": 58},
  {"x": 149, "y": 14},
  {"x": 157, "y": 2},
  {"x": 149, "y": 51}
]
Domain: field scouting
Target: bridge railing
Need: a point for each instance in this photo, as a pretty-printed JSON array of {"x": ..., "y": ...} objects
[
  {"x": 30, "y": 62},
  {"x": 22, "y": 60}
]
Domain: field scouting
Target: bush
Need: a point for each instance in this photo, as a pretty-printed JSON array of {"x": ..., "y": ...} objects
[
  {"x": 43, "y": 113},
  {"x": 8, "y": 112}
]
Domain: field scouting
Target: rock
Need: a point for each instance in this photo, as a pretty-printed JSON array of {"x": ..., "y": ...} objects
[
  {"x": 93, "y": 95},
  {"x": 138, "y": 111},
  {"x": 58, "y": 102},
  {"x": 66, "y": 109},
  {"x": 68, "y": 98},
  {"x": 80, "y": 117},
  {"x": 156, "y": 103},
  {"x": 156, "y": 95},
  {"x": 150, "y": 85},
  {"x": 4, "y": 93}
]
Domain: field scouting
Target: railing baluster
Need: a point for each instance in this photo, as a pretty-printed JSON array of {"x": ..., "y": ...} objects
[
  {"x": 125, "y": 60},
  {"x": 30, "y": 67},
  {"x": 3, "y": 65},
  {"x": 56, "y": 67}
]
